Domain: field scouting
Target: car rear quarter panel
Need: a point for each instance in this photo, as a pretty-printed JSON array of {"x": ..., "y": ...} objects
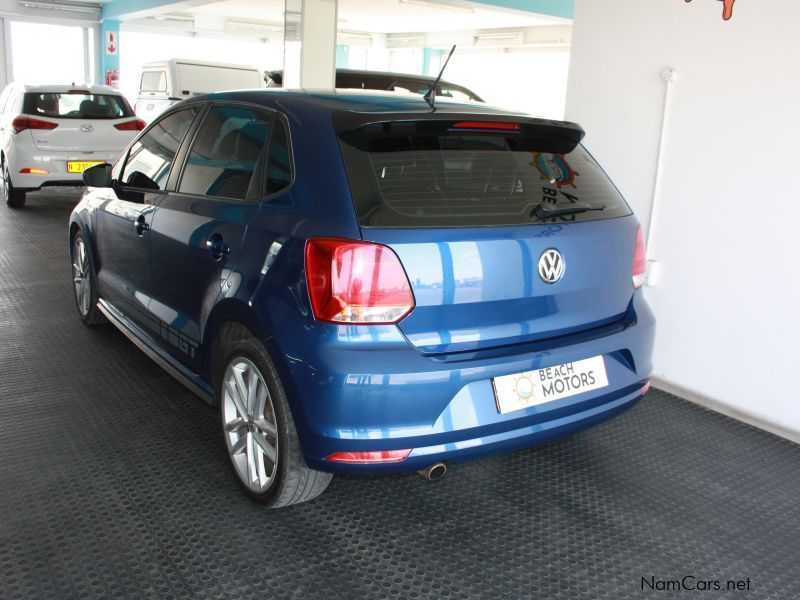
[{"x": 263, "y": 296}]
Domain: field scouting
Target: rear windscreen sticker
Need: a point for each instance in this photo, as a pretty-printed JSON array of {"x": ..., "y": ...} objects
[{"x": 555, "y": 169}]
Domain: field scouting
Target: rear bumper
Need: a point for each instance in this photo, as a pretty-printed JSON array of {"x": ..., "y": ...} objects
[
  {"x": 55, "y": 163},
  {"x": 605, "y": 408},
  {"x": 367, "y": 389}
]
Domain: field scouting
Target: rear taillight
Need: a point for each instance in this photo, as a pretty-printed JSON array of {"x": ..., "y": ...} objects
[
  {"x": 356, "y": 283},
  {"x": 134, "y": 125},
  {"x": 639, "y": 260},
  {"x": 21, "y": 123},
  {"x": 33, "y": 171},
  {"x": 369, "y": 457}
]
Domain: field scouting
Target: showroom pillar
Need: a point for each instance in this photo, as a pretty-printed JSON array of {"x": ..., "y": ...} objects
[
  {"x": 110, "y": 52},
  {"x": 310, "y": 44}
]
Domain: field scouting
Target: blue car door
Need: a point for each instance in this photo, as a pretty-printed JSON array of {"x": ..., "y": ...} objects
[
  {"x": 126, "y": 213},
  {"x": 199, "y": 227}
]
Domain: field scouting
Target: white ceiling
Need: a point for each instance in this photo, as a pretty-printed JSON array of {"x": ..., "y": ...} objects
[{"x": 387, "y": 16}]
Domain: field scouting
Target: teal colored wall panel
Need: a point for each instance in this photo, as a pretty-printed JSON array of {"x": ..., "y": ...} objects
[
  {"x": 342, "y": 56},
  {"x": 554, "y": 8}
]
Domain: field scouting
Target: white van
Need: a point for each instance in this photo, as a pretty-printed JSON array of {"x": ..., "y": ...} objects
[{"x": 163, "y": 83}]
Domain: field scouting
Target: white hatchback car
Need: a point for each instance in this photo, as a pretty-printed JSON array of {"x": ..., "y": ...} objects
[{"x": 50, "y": 133}]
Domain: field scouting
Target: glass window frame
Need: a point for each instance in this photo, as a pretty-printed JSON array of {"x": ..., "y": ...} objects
[
  {"x": 30, "y": 105},
  {"x": 173, "y": 186},
  {"x": 289, "y": 148},
  {"x": 162, "y": 77},
  {"x": 358, "y": 163},
  {"x": 191, "y": 140},
  {"x": 120, "y": 184}
]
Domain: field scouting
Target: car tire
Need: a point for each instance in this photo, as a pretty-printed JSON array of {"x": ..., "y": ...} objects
[
  {"x": 14, "y": 198},
  {"x": 258, "y": 430},
  {"x": 84, "y": 281}
]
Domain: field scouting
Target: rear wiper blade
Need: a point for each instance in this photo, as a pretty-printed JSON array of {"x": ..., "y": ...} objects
[{"x": 545, "y": 210}]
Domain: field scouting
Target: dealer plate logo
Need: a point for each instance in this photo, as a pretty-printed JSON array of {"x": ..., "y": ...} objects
[
  {"x": 551, "y": 266},
  {"x": 532, "y": 388}
]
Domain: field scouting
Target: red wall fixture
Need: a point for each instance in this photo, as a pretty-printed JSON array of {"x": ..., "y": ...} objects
[{"x": 727, "y": 8}]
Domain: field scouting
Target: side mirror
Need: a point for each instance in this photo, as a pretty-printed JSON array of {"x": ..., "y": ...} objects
[{"x": 98, "y": 176}]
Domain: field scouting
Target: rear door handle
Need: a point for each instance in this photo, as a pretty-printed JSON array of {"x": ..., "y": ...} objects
[
  {"x": 141, "y": 226},
  {"x": 217, "y": 248}
]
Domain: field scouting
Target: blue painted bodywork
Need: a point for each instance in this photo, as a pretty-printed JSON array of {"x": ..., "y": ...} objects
[{"x": 424, "y": 384}]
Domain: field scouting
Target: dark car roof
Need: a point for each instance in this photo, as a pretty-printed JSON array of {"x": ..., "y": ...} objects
[
  {"x": 352, "y": 108},
  {"x": 362, "y": 106},
  {"x": 376, "y": 101}
]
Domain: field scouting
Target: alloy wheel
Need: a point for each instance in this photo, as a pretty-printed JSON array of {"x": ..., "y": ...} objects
[
  {"x": 81, "y": 276},
  {"x": 249, "y": 425}
]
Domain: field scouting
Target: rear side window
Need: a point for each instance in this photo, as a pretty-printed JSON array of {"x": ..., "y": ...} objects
[
  {"x": 279, "y": 165},
  {"x": 225, "y": 153},
  {"x": 76, "y": 105},
  {"x": 154, "y": 81},
  {"x": 151, "y": 157},
  {"x": 444, "y": 174}
]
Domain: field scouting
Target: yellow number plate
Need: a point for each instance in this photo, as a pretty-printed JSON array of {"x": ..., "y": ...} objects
[{"x": 79, "y": 166}]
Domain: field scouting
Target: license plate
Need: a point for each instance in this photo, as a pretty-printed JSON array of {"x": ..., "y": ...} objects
[
  {"x": 79, "y": 166},
  {"x": 523, "y": 390}
]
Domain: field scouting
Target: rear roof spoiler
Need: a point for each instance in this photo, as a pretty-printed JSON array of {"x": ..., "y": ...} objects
[{"x": 564, "y": 134}]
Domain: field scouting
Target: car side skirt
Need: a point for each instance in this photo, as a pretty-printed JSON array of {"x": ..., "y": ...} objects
[{"x": 193, "y": 382}]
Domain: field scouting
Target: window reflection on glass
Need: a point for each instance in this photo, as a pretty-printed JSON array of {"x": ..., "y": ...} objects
[
  {"x": 151, "y": 157},
  {"x": 430, "y": 174},
  {"x": 154, "y": 81},
  {"x": 74, "y": 105},
  {"x": 279, "y": 171},
  {"x": 224, "y": 156}
]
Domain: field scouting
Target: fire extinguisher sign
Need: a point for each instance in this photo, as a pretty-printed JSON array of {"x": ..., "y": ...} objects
[{"x": 112, "y": 44}]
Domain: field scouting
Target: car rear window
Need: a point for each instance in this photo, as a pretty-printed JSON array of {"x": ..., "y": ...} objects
[
  {"x": 458, "y": 174},
  {"x": 153, "y": 81},
  {"x": 76, "y": 105}
]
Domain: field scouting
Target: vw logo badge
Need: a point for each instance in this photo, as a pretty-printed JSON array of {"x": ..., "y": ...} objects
[
  {"x": 551, "y": 266},
  {"x": 87, "y": 128}
]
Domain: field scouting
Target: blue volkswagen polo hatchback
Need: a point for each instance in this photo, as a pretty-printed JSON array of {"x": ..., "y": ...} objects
[{"x": 364, "y": 284}]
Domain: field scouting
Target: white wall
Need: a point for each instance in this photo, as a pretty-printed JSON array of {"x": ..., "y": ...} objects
[
  {"x": 527, "y": 80},
  {"x": 728, "y": 229}
]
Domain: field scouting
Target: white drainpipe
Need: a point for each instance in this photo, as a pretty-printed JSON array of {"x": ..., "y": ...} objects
[{"x": 668, "y": 75}]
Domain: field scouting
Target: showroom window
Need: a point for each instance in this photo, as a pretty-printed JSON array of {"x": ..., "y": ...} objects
[
  {"x": 225, "y": 153},
  {"x": 152, "y": 156},
  {"x": 72, "y": 63}
]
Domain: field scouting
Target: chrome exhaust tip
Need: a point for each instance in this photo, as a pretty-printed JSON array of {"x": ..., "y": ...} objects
[{"x": 434, "y": 472}]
